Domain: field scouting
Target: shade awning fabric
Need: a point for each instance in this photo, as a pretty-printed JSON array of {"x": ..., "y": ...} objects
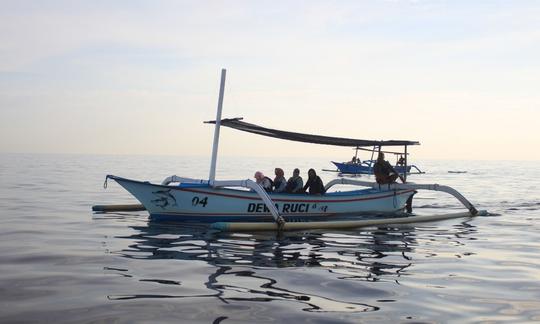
[{"x": 236, "y": 123}]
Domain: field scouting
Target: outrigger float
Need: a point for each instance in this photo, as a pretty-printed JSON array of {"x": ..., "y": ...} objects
[{"x": 244, "y": 205}]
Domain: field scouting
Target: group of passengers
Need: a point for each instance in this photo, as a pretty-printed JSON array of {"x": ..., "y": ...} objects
[
  {"x": 384, "y": 174},
  {"x": 294, "y": 185}
]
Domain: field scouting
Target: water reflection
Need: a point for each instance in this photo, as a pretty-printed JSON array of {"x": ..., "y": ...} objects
[
  {"x": 351, "y": 249},
  {"x": 263, "y": 267}
]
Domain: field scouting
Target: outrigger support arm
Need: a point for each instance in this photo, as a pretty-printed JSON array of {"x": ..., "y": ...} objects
[
  {"x": 258, "y": 189},
  {"x": 414, "y": 186},
  {"x": 175, "y": 178},
  {"x": 419, "y": 171}
]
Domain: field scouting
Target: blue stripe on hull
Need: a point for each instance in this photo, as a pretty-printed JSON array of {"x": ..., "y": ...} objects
[{"x": 208, "y": 219}]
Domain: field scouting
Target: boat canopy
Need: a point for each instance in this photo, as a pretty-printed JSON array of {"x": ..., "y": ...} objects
[{"x": 238, "y": 124}]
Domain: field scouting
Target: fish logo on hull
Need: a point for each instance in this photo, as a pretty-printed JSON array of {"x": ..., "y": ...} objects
[{"x": 163, "y": 198}]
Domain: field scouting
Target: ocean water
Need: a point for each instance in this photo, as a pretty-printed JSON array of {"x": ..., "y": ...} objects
[{"x": 62, "y": 263}]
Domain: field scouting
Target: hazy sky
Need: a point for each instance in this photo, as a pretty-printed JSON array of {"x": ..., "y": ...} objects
[{"x": 139, "y": 77}]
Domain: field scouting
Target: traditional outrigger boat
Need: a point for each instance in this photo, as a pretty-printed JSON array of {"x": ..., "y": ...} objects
[
  {"x": 357, "y": 166},
  {"x": 201, "y": 200}
]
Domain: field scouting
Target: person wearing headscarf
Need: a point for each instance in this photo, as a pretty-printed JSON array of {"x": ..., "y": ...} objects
[
  {"x": 314, "y": 184},
  {"x": 280, "y": 184},
  {"x": 295, "y": 183},
  {"x": 263, "y": 181}
]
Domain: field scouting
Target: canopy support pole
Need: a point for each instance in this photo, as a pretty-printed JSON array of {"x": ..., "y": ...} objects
[
  {"x": 371, "y": 161},
  {"x": 405, "y": 166},
  {"x": 212, "y": 175}
]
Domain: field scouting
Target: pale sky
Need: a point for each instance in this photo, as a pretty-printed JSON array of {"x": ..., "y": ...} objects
[{"x": 139, "y": 77}]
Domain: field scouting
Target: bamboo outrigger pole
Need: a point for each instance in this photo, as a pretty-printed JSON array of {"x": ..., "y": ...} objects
[{"x": 292, "y": 226}]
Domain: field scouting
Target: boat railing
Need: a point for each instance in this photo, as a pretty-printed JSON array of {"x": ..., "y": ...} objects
[{"x": 411, "y": 186}]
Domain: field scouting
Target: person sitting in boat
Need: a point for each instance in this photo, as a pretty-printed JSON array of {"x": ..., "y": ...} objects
[
  {"x": 280, "y": 184},
  {"x": 384, "y": 172},
  {"x": 354, "y": 160},
  {"x": 314, "y": 184},
  {"x": 263, "y": 181},
  {"x": 295, "y": 183},
  {"x": 401, "y": 161}
]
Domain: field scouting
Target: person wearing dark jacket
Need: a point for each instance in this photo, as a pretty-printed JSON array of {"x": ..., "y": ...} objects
[
  {"x": 384, "y": 172},
  {"x": 314, "y": 183}
]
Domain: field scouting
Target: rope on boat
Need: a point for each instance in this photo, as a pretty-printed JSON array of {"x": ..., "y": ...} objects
[{"x": 292, "y": 226}]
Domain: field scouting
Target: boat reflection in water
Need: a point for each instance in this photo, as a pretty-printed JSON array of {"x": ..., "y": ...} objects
[{"x": 316, "y": 271}]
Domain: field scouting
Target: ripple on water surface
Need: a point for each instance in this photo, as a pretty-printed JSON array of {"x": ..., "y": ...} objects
[{"x": 61, "y": 263}]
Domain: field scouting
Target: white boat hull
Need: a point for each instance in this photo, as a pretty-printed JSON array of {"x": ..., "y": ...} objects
[{"x": 201, "y": 203}]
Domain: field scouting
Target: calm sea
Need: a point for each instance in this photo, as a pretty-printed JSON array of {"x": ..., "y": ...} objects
[{"x": 61, "y": 263}]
